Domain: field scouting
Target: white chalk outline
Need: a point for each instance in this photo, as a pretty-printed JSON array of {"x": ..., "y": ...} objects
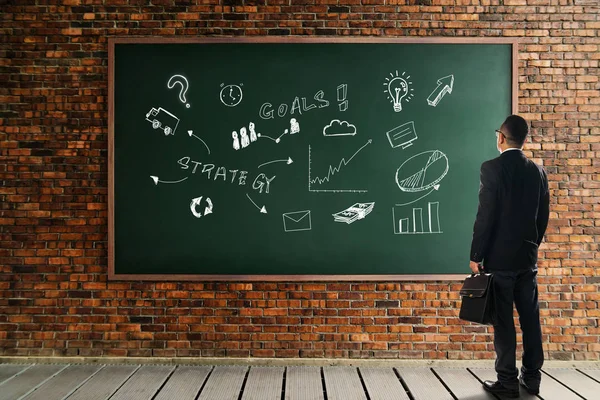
[
  {"x": 342, "y": 94},
  {"x": 396, "y": 91},
  {"x": 191, "y": 133},
  {"x": 436, "y": 187},
  {"x": 231, "y": 88},
  {"x": 157, "y": 123},
  {"x": 196, "y": 202},
  {"x": 400, "y": 132},
  {"x": 262, "y": 209},
  {"x": 410, "y": 183},
  {"x": 340, "y": 123},
  {"x": 288, "y": 215},
  {"x": 157, "y": 180},
  {"x": 184, "y": 88},
  {"x": 361, "y": 213},
  {"x": 443, "y": 88},
  {"x": 396, "y": 222},
  {"x": 209, "y": 208},
  {"x": 332, "y": 171},
  {"x": 285, "y": 132},
  {"x": 288, "y": 161}
]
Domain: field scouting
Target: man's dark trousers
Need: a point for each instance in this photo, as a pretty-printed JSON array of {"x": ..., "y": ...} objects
[{"x": 518, "y": 287}]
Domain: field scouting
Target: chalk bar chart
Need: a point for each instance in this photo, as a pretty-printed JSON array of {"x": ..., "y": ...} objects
[{"x": 414, "y": 223}]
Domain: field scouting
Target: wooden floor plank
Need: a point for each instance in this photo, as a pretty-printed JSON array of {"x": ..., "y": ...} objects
[
  {"x": 422, "y": 384},
  {"x": 104, "y": 383},
  {"x": 303, "y": 383},
  {"x": 185, "y": 383},
  {"x": 27, "y": 381},
  {"x": 144, "y": 383},
  {"x": 343, "y": 383},
  {"x": 462, "y": 384},
  {"x": 489, "y": 374},
  {"x": 64, "y": 383},
  {"x": 132, "y": 382},
  {"x": 383, "y": 384},
  {"x": 264, "y": 383},
  {"x": 224, "y": 383},
  {"x": 8, "y": 371},
  {"x": 593, "y": 373},
  {"x": 581, "y": 384}
]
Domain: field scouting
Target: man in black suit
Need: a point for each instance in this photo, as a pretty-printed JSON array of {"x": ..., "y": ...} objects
[{"x": 511, "y": 221}]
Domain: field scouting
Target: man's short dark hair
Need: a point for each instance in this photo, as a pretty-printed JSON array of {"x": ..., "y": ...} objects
[{"x": 516, "y": 130}]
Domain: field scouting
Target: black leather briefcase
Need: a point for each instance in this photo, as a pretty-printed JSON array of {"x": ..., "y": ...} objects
[{"x": 477, "y": 297}]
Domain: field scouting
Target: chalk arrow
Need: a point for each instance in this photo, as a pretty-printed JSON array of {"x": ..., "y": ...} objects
[
  {"x": 191, "y": 133},
  {"x": 262, "y": 210},
  {"x": 288, "y": 161},
  {"x": 208, "y": 209},
  {"x": 157, "y": 181},
  {"x": 436, "y": 187},
  {"x": 445, "y": 85},
  {"x": 195, "y": 202}
]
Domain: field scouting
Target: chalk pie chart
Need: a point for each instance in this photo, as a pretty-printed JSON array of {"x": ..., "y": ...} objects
[{"x": 422, "y": 171}]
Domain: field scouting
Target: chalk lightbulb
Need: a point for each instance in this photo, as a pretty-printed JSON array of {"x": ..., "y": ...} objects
[{"x": 398, "y": 89}]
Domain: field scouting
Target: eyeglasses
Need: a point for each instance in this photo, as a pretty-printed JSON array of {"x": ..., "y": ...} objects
[{"x": 499, "y": 132}]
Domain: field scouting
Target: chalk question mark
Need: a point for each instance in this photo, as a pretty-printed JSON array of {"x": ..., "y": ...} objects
[{"x": 180, "y": 79}]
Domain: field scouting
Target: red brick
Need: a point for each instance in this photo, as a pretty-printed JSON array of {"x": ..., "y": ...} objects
[{"x": 558, "y": 93}]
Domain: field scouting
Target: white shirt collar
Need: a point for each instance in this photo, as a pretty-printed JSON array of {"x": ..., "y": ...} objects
[{"x": 511, "y": 148}]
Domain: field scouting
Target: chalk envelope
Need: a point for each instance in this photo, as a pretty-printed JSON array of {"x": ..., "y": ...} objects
[{"x": 297, "y": 221}]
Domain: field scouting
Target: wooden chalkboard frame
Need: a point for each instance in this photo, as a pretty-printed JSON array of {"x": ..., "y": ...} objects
[{"x": 112, "y": 42}]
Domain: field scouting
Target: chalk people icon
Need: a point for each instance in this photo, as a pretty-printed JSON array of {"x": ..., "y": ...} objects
[{"x": 245, "y": 137}]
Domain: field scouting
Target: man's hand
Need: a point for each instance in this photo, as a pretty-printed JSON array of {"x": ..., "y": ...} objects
[{"x": 474, "y": 267}]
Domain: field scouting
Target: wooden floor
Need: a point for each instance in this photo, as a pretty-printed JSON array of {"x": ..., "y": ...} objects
[{"x": 233, "y": 382}]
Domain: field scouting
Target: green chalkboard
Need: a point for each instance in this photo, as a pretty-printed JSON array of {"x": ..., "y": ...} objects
[{"x": 302, "y": 159}]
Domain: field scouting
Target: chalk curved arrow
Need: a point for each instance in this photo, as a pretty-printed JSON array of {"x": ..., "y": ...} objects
[
  {"x": 288, "y": 162},
  {"x": 262, "y": 209},
  {"x": 191, "y": 133},
  {"x": 157, "y": 180},
  {"x": 196, "y": 202},
  {"x": 445, "y": 85},
  {"x": 208, "y": 209},
  {"x": 436, "y": 187}
]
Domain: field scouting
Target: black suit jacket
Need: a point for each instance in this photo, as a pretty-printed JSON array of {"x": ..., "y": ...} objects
[{"x": 513, "y": 212}]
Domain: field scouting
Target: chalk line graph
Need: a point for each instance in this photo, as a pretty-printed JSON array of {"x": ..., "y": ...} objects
[{"x": 331, "y": 172}]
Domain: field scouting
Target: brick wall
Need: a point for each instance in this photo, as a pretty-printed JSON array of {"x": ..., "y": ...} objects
[{"x": 54, "y": 294}]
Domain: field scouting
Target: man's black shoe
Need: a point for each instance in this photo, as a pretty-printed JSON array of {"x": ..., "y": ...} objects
[
  {"x": 530, "y": 388},
  {"x": 498, "y": 388}
]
